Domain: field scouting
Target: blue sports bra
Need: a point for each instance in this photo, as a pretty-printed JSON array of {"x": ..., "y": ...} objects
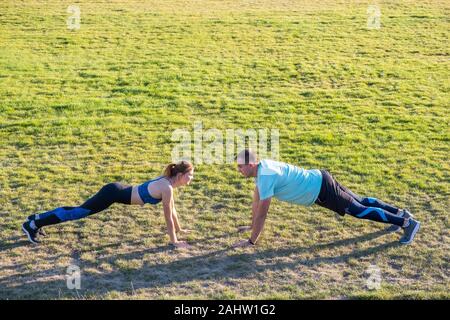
[{"x": 145, "y": 195}]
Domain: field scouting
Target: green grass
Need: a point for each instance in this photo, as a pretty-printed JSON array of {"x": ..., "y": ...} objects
[{"x": 82, "y": 108}]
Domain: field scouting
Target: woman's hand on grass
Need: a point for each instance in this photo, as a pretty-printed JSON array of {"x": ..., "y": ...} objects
[
  {"x": 184, "y": 231},
  {"x": 244, "y": 228}
]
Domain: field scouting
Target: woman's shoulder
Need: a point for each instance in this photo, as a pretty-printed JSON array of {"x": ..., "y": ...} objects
[{"x": 163, "y": 183}]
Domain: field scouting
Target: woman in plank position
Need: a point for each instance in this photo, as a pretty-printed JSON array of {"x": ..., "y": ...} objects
[{"x": 152, "y": 191}]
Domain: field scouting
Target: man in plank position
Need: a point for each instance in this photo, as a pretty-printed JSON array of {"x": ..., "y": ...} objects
[{"x": 292, "y": 184}]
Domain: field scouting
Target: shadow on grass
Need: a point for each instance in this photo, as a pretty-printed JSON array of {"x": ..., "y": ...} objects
[
  {"x": 212, "y": 266},
  {"x": 13, "y": 242}
]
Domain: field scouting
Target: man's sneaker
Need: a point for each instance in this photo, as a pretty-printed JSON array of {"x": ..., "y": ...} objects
[
  {"x": 30, "y": 232},
  {"x": 410, "y": 231},
  {"x": 40, "y": 230},
  {"x": 402, "y": 213}
]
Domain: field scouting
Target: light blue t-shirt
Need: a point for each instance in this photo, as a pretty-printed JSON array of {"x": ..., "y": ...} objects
[{"x": 287, "y": 182}]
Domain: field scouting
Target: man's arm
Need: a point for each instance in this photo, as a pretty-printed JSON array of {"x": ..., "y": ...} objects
[
  {"x": 259, "y": 219},
  {"x": 255, "y": 205},
  {"x": 258, "y": 223}
]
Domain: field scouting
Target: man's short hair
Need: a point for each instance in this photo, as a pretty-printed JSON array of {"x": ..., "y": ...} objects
[{"x": 246, "y": 156}]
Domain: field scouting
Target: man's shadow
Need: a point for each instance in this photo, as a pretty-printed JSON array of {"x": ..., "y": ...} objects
[{"x": 214, "y": 266}]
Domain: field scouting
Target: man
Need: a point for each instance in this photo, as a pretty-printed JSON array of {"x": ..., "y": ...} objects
[{"x": 306, "y": 187}]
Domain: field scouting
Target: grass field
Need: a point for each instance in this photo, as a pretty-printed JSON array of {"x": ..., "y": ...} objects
[{"x": 81, "y": 108}]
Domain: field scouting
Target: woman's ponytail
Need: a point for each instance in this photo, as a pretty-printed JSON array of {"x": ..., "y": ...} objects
[
  {"x": 174, "y": 168},
  {"x": 169, "y": 169}
]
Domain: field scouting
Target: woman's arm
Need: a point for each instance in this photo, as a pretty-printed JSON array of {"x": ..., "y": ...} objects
[
  {"x": 176, "y": 221},
  {"x": 167, "y": 198},
  {"x": 175, "y": 216}
]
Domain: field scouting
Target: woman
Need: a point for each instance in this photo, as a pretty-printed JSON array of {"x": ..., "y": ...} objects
[{"x": 152, "y": 191}]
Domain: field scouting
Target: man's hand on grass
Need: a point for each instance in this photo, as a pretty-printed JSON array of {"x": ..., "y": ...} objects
[
  {"x": 181, "y": 244},
  {"x": 243, "y": 244}
]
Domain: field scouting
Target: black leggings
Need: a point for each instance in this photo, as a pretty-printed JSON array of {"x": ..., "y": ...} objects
[
  {"x": 108, "y": 194},
  {"x": 340, "y": 199}
]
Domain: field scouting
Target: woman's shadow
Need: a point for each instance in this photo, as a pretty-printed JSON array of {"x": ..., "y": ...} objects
[{"x": 215, "y": 265}]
